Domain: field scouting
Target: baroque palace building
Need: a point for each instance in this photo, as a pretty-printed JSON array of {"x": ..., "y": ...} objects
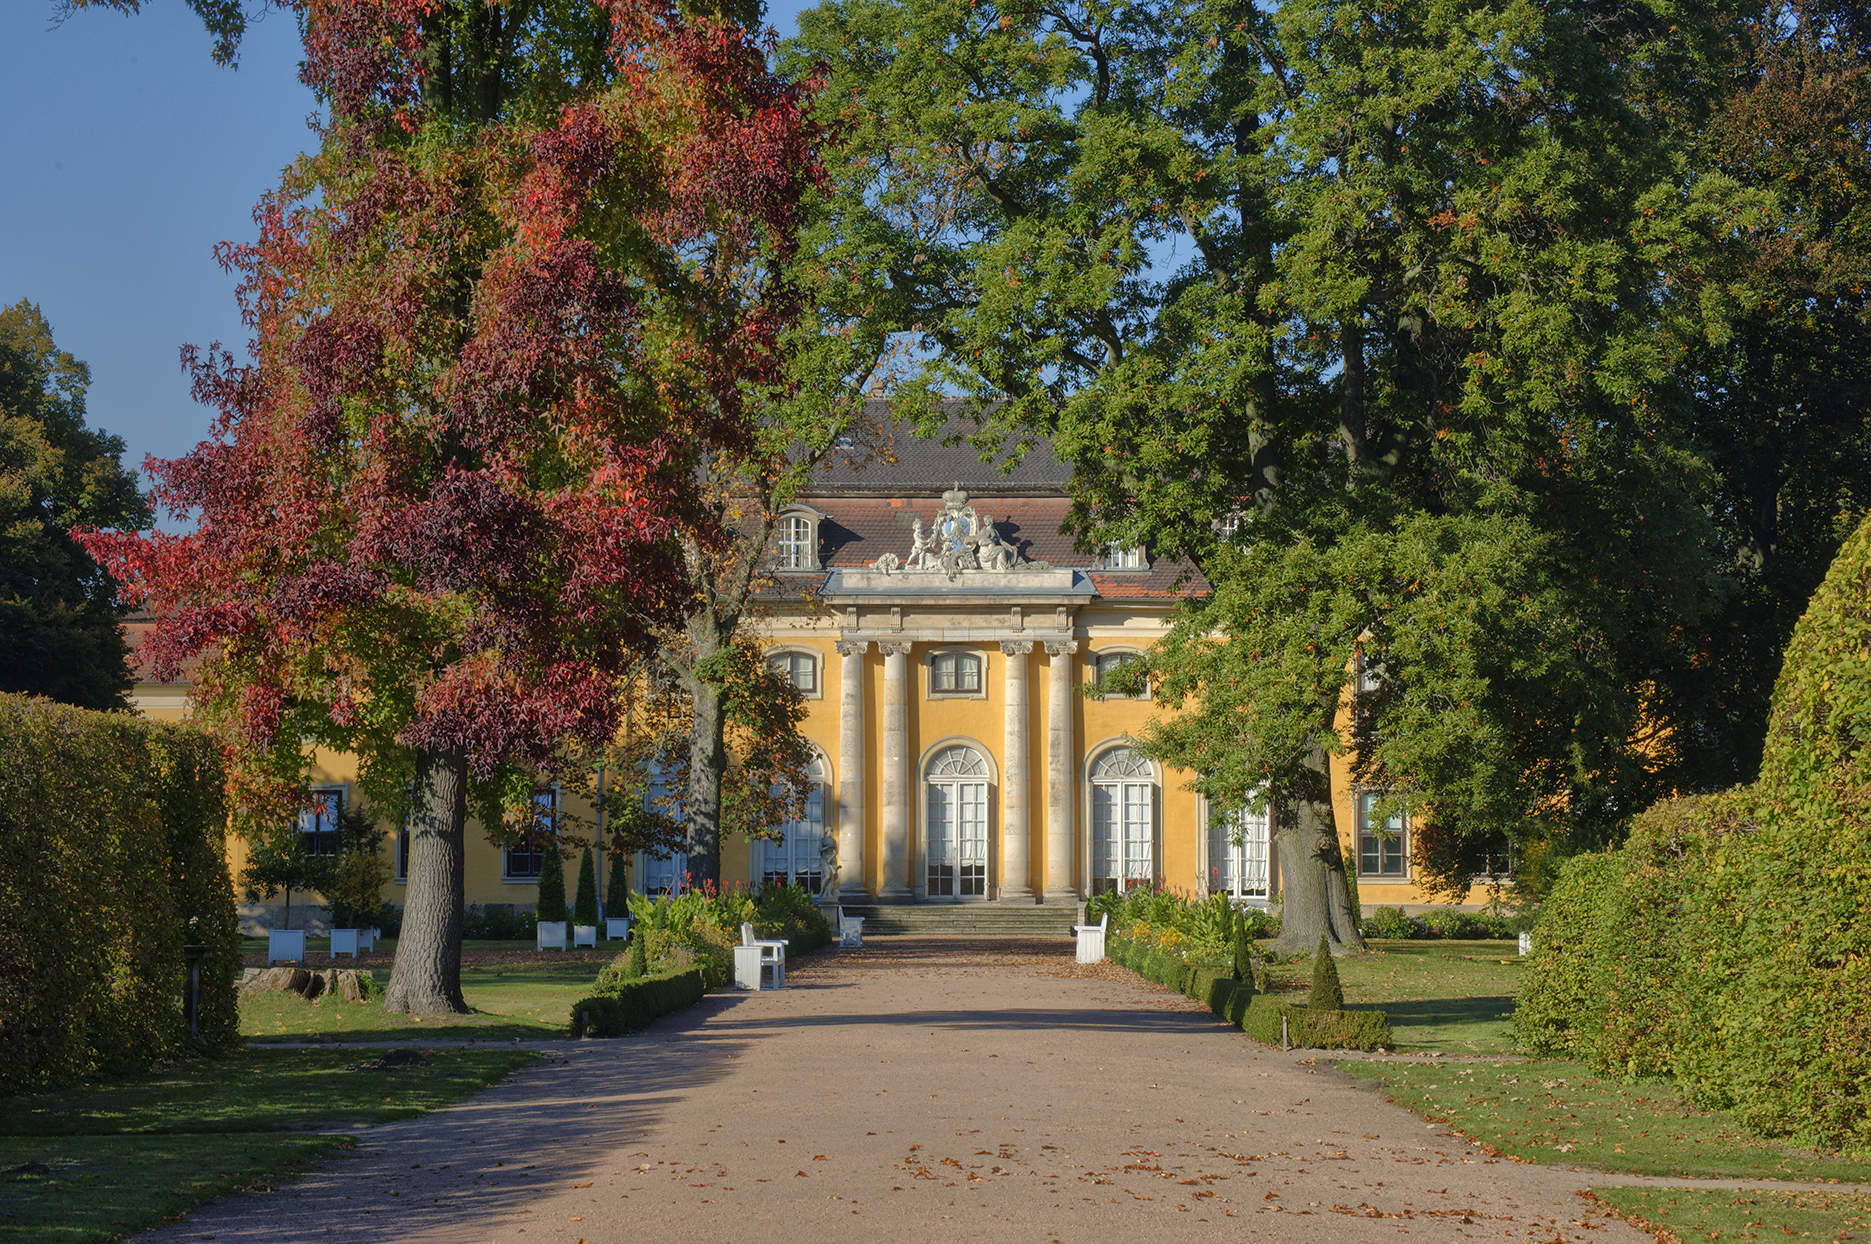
[{"x": 944, "y": 631}]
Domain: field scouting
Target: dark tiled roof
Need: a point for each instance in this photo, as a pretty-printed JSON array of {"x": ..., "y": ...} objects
[{"x": 889, "y": 458}]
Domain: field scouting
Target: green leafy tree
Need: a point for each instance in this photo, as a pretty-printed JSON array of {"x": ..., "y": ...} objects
[
  {"x": 1355, "y": 313},
  {"x": 356, "y": 890},
  {"x": 585, "y": 905},
  {"x": 278, "y": 861},
  {"x": 551, "y": 905},
  {"x": 61, "y": 633}
]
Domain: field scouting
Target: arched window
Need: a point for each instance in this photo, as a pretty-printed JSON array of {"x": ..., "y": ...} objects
[
  {"x": 1123, "y": 821},
  {"x": 794, "y": 544},
  {"x": 1238, "y": 855},
  {"x": 957, "y": 781},
  {"x": 669, "y": 873},
  {"x": 954, "y": 673},
  {"x": 795, "y": 859}
]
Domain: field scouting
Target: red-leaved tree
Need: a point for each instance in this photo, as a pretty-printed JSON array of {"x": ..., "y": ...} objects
[{"x": 535, "y": 270}]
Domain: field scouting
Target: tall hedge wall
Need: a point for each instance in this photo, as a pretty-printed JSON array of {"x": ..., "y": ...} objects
[
  {"x": 112, "y": 830},
  {"x": 1729, "y": 942}
]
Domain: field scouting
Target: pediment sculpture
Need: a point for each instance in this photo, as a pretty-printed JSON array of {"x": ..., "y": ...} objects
[{"x": 960, "y": 539}]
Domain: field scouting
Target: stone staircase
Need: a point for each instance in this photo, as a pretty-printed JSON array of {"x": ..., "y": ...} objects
[{"x": 970, "y": 919}]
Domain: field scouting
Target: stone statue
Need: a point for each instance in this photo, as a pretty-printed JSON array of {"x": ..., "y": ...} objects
[
  {"x": 919, "y": 547},
  {"x": 828, "y": 868},
  {"x": 993, "y": 552}
]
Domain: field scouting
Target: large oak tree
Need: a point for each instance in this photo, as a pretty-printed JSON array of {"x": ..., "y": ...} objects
[{"x": 1365, "y": 311}]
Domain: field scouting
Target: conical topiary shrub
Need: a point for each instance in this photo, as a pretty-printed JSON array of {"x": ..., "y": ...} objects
[
  {"x": 617, "y": 891},
  {"x": 1243, "y": 949},
  {"x": 1327, "y": 994},
  {"x": 585, "y": 905},
  {"x": 639, "y": 955},
  {"x": 552, "y": 887}
]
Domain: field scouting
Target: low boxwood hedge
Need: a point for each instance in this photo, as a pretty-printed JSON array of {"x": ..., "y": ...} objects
[
  {"x": 1245, "y": 1005},
  {"x": 636, "y": 1004}
]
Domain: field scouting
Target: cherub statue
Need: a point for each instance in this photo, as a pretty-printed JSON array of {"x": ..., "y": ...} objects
[{"x": 918, "y": 558}]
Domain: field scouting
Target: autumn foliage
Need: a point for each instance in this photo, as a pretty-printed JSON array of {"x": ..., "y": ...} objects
[{"x": 489, "y": 342}]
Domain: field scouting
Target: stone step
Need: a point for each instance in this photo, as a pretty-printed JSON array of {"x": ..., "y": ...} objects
[{"x": 976, "y": 919}]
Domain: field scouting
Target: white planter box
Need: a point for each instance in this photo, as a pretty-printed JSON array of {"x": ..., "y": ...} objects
[
  {"x": 585, "y": 935},
  {"x": 616, "y": 928},
  {"x": 344, "y": 942},
  {"x": 551, "y": 935},
  {"x": 287, "y": 944}
]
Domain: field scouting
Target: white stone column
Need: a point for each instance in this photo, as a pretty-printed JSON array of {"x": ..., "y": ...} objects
[
  {"x": 1016, "y": 877},
  {"x": 894, "y": 861},
  {"x": 1061, "y": 766},
  {"x": 852, "y": 886}
]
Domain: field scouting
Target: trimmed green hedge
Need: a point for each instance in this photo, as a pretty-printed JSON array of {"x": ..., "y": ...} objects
[
  {"x": 1243, "y": 1004},
  {"x": 1728, "y": 943},
  {"x": 636, "y": 1004},
  {"x": 1315, "y": 1030},
  {"x": 113, "y": 831}
]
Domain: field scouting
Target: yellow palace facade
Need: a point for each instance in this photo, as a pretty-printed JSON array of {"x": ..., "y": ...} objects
[{"x": 943, "y": 633}]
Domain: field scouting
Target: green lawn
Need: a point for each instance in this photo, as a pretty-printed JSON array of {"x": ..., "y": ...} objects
[
  {"x": 1751, "y": 1214},
  {"x": 1557, "y": 1112},
  {"x": 101, "y": 1161},
  {"x": 528, "y": 1000},
  {"x": 1454, "y": 997}
]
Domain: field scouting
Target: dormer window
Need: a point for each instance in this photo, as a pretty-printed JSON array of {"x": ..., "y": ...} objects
[
  {"x": 1124, "y": 557},
  {"x": 796, "y": 543}
]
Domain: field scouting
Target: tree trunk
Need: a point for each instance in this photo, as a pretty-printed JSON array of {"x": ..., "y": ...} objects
[
  {"x": 425, "y": 978},
  {"x": 1314, "y": 897},
  {"x": 708, "y": 754}
]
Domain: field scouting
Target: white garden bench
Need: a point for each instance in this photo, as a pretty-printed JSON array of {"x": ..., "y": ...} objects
[
  {"x": 1091, "y": 939},
  {"x": 850, "y": 930},
  {"x": 759, "y": 964}
]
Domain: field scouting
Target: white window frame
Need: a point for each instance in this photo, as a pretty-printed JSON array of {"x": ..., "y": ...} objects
[
  {"x": 1128, "y": 806},
  {"x": 786, "y": 661},
  {"x": 795, "y": 859},
  {"x": 796, "y": 540},
  {"x": 675, "y": 868},
  {"x": 1117, "y": 656},
  {"x": 1117, "y": 556},
  {"x": 545, "y": 807},
  {"x": 1385, "y": 848},
  {"x": 1244, "y": 870},
  {"x": 319, "y": 823},
  {"x": 958, "y": 655}
]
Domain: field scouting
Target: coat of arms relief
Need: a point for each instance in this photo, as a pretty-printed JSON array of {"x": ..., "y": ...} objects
[{"x": 959, "y": 539}]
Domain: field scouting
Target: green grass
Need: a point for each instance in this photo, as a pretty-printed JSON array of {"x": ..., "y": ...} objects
[
  {"x": 1453, "y": 997},
  {"x": 1557, "y": 1112},
  {"x": 524, "y": 1000},
  {"x": 125, "y": 1155},
  {"x": 1724, "y": 1215}
]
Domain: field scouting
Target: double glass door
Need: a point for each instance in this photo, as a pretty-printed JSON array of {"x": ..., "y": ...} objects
[{"x": 957, "y": 840}]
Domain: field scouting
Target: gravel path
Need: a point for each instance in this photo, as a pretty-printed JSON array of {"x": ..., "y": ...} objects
[{"x": 921, "y": 1088}]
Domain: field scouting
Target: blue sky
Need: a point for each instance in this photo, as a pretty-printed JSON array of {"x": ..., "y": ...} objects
[{"x": 128, "y": 154}]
